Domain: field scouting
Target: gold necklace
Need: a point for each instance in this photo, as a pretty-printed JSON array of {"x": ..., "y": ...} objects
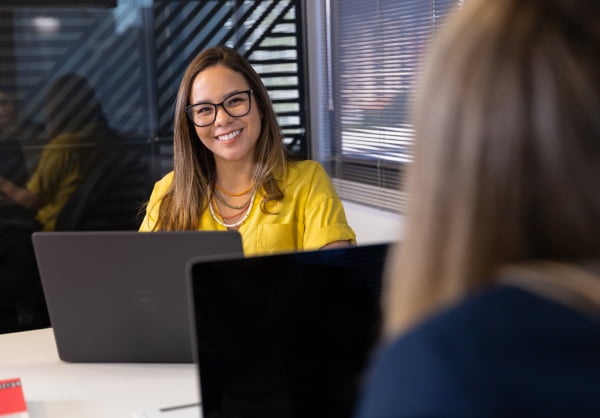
[
  {"x": 234, "y": 194},
  {"x": 229, "y": 205}
]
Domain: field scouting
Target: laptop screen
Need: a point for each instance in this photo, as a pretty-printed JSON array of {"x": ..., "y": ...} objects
[{"x": 286, "y": 335}]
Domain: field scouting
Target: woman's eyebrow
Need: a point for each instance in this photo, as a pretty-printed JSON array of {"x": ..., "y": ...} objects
[{"x": 224, "y": 97}]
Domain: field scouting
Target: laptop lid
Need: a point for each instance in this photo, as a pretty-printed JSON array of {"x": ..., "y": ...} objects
[
  {"x": 285, "y": 335},
  {"x": 121, "y": 296}
]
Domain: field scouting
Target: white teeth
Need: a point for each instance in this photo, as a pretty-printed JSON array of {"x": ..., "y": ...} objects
[{"x": 228, "y": 136}]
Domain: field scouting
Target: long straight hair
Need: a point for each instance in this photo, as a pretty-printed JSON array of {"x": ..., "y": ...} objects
[
  {"x": 507, "y": 151},
  {"x": 194, "y": 164}
]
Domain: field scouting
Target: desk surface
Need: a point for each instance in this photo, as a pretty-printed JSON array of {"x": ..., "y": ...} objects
[{"x": 54, "y": 388}]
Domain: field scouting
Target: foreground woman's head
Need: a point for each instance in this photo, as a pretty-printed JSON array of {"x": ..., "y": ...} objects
[{"x": 507, "y": 155}]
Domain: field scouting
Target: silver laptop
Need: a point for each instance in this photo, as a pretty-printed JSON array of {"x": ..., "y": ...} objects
[{"x": 121, "y": 296}]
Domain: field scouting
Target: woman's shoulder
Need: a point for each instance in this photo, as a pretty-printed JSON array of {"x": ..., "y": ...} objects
[
  {"x": 164, "y": 183},
  {"x": 304, "y": 171},
  {"x": 304, "y": 166},
  {"x": 167, "y": 177},
  {"x": 504, "y": 332},
  {"x": 498, "y": 312}
]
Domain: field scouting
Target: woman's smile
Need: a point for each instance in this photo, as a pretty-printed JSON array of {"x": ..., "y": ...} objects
[{"x": 230, "y": 136}]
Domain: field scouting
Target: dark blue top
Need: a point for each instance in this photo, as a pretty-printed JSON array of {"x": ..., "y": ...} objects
[{"x": 501, "y": 353}]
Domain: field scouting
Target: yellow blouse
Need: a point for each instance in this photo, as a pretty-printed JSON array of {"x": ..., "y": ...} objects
[{"x": 309, "y": 216}]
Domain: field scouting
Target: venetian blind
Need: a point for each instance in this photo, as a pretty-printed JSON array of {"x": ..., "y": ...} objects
[{"x": 374, "y": 54}]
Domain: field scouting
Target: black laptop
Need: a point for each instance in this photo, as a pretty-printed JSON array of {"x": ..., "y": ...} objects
[
  {"x": 285, "y": 335},
  {"x": 121, "y": 296}
]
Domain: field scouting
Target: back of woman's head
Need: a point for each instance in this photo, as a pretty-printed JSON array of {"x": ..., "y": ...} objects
[
  {"x": 72, "y": 105},
  {"x": 507, "y": 154}
]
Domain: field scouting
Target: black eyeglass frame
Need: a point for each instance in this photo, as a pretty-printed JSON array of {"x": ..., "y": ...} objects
[{"x": 188, "y": 109}]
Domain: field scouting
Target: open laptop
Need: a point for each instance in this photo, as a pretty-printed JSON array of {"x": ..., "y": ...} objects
[
  {"x": 285, "y": 335},
  {"x": 121, "y": 296}
]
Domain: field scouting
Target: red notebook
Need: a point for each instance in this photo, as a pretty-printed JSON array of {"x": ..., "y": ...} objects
[{"x": 12, "y": 401}]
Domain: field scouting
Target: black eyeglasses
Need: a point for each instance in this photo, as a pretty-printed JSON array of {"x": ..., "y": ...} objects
[{"x": 235, "y": 105}]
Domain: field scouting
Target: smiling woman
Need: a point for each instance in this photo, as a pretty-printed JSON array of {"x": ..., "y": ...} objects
[{"x": 231, "y": 169}]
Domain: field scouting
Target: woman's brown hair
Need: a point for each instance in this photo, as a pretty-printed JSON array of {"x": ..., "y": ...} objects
[
  {"x": 194, "y": 164},
  {"x": 507, "y": 151}
]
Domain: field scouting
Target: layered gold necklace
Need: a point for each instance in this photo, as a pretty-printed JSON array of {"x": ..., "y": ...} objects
[{"x": 244, "y": 209}]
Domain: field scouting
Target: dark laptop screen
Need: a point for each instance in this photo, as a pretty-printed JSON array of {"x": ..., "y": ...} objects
[{"x": 286, "y": 335}]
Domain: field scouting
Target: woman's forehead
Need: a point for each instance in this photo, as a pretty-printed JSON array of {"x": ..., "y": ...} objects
[{"x": 215, "y": 83}]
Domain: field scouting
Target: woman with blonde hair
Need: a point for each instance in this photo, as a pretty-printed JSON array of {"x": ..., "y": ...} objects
[
  {"x": 493, "y": 298},
  {"x": 231, "y": 169}
]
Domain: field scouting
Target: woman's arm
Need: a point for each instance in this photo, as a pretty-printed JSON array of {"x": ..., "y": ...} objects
[
  {"x": 336, "y": 244},
  {"x": 325, "y": 221},
  {"x": 21, "y": 196}
]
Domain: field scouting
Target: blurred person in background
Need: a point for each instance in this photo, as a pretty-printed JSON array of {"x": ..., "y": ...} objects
[{"x": 79, "y": 133}]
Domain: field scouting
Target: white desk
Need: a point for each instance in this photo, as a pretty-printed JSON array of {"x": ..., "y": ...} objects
[{"x": 54, "y": 388}]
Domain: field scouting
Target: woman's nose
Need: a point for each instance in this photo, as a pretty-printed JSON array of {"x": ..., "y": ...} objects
[{"x": 222, "y": 117}]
